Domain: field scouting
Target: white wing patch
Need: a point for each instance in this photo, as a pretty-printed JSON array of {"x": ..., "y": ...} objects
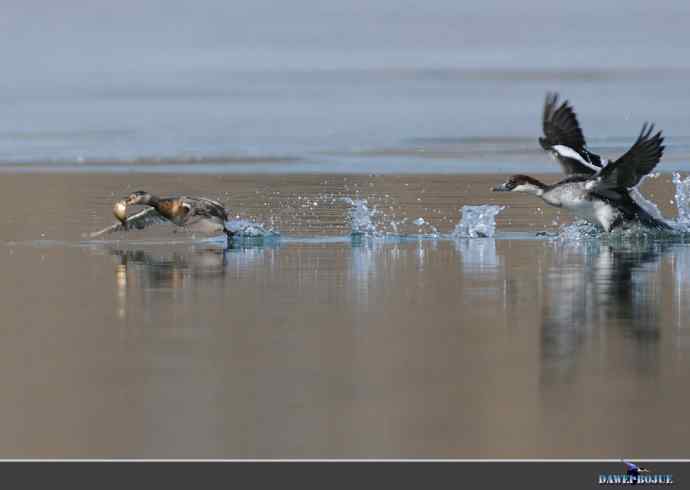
[{"x": 568, "y": 152}]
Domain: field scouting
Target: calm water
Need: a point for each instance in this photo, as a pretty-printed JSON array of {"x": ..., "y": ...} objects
[{"x": 316, "y": 345}]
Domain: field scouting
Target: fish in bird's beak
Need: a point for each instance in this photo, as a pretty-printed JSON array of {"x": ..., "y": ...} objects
[{"x": 120, "y": 211}]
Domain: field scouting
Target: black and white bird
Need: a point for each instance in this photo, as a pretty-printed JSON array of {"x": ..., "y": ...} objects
[
  {"x": 599, "y": 194},
  {"x": 564, "y": 140}
]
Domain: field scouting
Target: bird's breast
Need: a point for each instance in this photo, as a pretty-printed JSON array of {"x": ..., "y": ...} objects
[{"x": 569, "y": 196}]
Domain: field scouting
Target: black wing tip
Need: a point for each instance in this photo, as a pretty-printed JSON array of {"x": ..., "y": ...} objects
[
  {"x": 646, "y": 130},
  {"x": 552, "y": 105},
  {"x": 559, "y": 112},
  {"x": 560, "y": 124},
  {"x": 646, "y": 135},
  {"x": 551, "y": 98}
]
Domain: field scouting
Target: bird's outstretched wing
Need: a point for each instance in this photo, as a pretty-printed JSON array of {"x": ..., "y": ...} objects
[
  {"x": 137, "y": 221},
  {"x": 642, "y": 157},
  {"x": 563, "y": 137}
]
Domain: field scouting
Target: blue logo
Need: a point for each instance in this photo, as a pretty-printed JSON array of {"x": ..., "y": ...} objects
[{"x": 635, "y": 475}]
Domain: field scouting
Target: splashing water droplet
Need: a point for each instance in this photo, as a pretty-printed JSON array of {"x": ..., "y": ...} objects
[
  {"x": 580, "y": 230},
  {"x": 361, "y": 217},
  {"x": 249, "y": 229},
  {"x": 477, "y": 221},
  {"x": 426, "y": 228},
  {"x": 682, "y": 200}
]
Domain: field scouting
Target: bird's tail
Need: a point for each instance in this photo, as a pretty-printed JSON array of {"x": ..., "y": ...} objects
[
  {"x": 643, "y": 212},
  {"x": 654, "y": 223}
]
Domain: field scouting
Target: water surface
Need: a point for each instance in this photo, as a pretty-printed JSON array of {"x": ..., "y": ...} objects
[{"x": 157, "y": 344}]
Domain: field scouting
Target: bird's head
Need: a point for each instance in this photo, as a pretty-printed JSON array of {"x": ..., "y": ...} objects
[
  {"x": 521, "y": 183},
  {"x": 138, "y": 197}
]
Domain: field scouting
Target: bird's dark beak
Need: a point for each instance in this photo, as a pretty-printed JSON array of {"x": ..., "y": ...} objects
[{"x": 501, "y": 188}]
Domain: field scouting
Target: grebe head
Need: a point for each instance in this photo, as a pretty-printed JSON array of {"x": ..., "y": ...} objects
[
  {"x": 521, "y": 183},
  {"x": 120, "y": 211},
  {"x": 138, "y": 197}
]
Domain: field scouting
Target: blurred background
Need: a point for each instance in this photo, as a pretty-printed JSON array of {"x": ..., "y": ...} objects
[{"x": 353, "y": 86}]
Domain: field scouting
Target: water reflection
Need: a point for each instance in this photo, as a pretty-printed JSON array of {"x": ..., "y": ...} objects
[
  {"x": 478, "y": 253},
  {"x": 158, "y": 269},
  {"x": 148, "y": 272},
  {"x": 364, "y": 257},
  {"x": 680, "y": 267},
  {"x": 596, "y": 290}
]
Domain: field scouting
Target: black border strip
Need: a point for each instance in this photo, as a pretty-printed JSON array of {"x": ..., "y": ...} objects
[{"x": 380, "y": 474}]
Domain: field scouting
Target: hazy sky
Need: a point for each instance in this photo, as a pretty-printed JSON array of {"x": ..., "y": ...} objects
[
  {"x": 70, "y": 39},
  {"x": 222, "y": 77}
]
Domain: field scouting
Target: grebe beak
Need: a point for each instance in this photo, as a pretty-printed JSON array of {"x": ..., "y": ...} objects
[{"x": 501, "y": 188}]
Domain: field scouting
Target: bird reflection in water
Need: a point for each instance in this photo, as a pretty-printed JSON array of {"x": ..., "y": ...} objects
[
  {"x": 168, "y": 270},
  {"x": 159, "y": 269},
  {"x": 121, "y": 283},
  {"x": 595, "y": 290}
]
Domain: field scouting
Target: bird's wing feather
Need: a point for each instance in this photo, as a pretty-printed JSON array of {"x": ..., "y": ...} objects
[
  {"x": 201, "y": 206},
  {"x": 138, "y": 221},
  {"x": 562, "y": 132},
  {"x": 642, "y": 157},
  {"x": 560, "y": 124}
]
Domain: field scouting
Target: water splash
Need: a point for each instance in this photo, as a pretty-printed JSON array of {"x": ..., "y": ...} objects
[
  {"x": 477, "y": 221},
  {"x": 248, "y": 229},
  {"x": 361, "y": 215},
  {"x": 426, "y": 229},
  {"x": 395, "y": 225},
  {"x": 586, "y": 231},
  {"x": 682, "y": 201},
  {"x": 580, "y": 230}
]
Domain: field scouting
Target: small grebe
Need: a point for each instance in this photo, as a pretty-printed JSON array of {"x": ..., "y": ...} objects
[
  {"x": 193, "y": 213},
  {"x": 196, "y": 213}
]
